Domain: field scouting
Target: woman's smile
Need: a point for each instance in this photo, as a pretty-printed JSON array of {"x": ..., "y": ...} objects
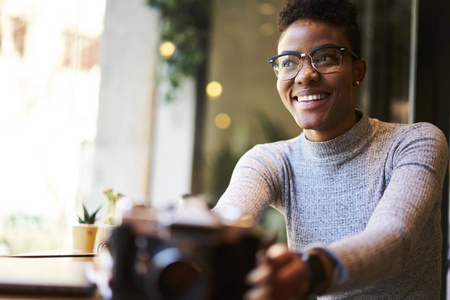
[
  {"x": 311, "y": 97},
  {"x": 309, "y": 101}
]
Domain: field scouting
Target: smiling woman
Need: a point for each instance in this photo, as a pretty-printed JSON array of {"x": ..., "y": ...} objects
[
  {"x": 238, "y": 60},
  {"x": 350, "y": 187}
]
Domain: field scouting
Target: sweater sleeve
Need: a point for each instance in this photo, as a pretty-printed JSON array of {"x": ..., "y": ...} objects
[
  {"x": 254, "y": 184},
  {"x": 417, "y": 164}
]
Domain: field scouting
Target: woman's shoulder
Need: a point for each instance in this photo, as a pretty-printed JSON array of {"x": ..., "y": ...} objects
[
  {"x": 426, "y": 129},
  {"x": 414, "y": 130},
  {"x": 421, "y": 136},
  {"x": 408, "y": 131}
]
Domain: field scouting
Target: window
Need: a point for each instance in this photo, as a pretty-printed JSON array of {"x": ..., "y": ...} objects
[{"x": 49, "y": 69}]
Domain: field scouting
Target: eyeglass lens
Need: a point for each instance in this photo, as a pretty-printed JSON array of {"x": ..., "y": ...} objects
[{"x": 325, "y": 61}]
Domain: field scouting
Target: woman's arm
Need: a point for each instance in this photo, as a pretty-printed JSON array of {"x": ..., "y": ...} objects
[{"x": 255, "y": 182}]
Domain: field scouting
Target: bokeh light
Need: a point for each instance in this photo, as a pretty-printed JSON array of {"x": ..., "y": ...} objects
[
  {"x": 267, "y": 29},
  {"x": 266, "y": 9},
  {"x": 166, "y": 49},
  {"x": 214, "y": 89},
  {"x": 222, "y": 121}
]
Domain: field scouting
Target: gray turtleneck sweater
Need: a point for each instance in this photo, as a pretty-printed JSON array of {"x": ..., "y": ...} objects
[{"x": 370, "y": 198}]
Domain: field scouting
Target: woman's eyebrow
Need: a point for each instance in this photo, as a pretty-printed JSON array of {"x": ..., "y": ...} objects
[{"x": 288, "y": 51}]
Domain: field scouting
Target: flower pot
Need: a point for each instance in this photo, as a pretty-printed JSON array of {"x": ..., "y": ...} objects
[
  {"x": 103, "y": 233},
  {"x": 84, "y": 237}
]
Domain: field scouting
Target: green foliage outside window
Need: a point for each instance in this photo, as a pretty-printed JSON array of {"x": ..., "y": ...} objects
[{"x": 185, "y": 24}]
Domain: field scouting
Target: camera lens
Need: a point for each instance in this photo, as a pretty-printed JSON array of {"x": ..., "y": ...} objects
[
  {"x": 175, "y": 275},
  {"x": 178, "y": 279}
]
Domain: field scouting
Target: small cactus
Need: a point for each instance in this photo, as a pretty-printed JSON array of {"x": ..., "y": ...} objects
[{"x": 87, "y": 217}]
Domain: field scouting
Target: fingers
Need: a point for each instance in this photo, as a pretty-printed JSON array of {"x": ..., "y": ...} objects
[
  {"x": 267, "y": 263},
  {"x": 259, "y": 293},
  {"x": 259, "y": 278},
  {"x": 277, "y": 250},
  {"x": 278, "y": 255},
  {"x": 290, "y": 281},
  {"x": 259, "y": 275},
  {"x": 280, "y": 274}
]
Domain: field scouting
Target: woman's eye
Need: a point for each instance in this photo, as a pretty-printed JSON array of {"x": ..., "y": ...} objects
[
  {"x": 288, "y": 64},
  {"x": 325, "y": 58}
]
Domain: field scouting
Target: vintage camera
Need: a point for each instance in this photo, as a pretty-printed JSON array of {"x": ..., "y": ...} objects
[{"x": 185, "y": 254}]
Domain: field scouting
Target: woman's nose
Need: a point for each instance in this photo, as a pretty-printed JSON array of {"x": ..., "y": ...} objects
[{"x": 307, "y": 73}]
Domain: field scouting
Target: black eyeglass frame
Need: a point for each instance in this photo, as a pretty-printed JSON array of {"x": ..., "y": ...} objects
[{"x": 341, "y": 49}]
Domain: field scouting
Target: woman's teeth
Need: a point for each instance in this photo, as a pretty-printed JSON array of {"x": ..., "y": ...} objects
[{"x": 311, "y": 97}]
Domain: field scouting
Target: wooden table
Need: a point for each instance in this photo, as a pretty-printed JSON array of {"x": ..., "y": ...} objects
[
  {"x": 43, "y": 263},
  {"x": 49, "y": 297}
]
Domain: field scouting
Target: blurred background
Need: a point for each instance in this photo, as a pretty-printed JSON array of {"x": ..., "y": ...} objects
[{"x": 157, "y": 99}]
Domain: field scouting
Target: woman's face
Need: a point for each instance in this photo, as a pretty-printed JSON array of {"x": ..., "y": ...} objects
[{"x": 333, "y": 113}]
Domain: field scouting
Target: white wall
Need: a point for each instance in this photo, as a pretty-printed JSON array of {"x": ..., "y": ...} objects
[
  {"x": 173, "y": 145},
  {"x": 144, "y": 144},
  {"x": 128, "y": 63}
]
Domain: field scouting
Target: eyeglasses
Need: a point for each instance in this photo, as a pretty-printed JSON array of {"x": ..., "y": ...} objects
[{"x": 324, "y": 59}]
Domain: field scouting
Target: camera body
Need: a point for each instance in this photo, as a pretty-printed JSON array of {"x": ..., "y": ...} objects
[{"x": 188, "y": 254}]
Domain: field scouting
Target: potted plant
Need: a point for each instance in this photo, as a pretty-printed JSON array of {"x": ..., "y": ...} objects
[
  {"x": 111, "y": 220},
  {"x": 85, "y": 232},
  {"x": 112, "y": 217}
]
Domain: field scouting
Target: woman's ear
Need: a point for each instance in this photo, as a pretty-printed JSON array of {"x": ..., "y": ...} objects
[{"x": 359, "y": 70}]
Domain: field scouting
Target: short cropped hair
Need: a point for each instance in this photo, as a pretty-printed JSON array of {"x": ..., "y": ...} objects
[{"x": 339, "y": 13}]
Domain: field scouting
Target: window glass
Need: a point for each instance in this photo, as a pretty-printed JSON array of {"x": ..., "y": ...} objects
[
  {"x": 248, "y": 110},
  {"x": 387, "y": 46},
  {"x": 49, "y": 69}
]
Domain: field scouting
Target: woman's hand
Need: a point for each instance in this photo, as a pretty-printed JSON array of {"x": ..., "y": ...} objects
[{"x": 279, "y": 275}]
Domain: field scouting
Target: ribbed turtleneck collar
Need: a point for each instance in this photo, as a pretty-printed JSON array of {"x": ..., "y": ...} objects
[{"x": 343, "y": 146}]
